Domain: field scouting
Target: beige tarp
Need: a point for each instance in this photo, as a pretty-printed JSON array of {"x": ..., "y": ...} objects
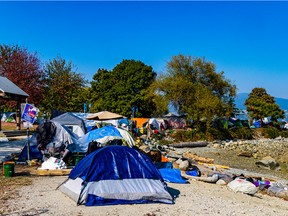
[{"x": 104, "y": 115}]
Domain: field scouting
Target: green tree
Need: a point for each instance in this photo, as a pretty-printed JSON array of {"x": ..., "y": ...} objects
[
  {"x": 195, "y": 88},
  {"x": 25, "y": 70},
  {"x": 260, "y": 104},
  {"x": 123, "y": 88},
  {"x": 65, "y": 88}
]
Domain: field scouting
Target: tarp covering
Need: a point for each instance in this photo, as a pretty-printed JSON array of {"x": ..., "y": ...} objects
[
  {"x": 172, "y": 175},
  {"x": 60, "y": 138},
  {"x": 104, "y": 115},
  {"x": 116, "y": 175},
  {"x": 103, "y": 135}
]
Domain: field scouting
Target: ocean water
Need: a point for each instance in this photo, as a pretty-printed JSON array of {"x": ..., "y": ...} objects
[{"x": 243, "y": 115}]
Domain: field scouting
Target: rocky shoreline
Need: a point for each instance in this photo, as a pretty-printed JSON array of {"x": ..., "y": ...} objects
[{"x": 275, "y": 148}]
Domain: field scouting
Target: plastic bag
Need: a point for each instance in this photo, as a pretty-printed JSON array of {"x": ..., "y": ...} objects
[{"x": 243, "y": 186}]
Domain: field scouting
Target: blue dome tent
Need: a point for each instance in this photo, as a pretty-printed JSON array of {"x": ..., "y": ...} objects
[{"x": 116, "y": 175}]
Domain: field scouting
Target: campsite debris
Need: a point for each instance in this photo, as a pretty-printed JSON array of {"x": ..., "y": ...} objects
[
  {"x": 214, "y": 178},
  {"x": 268, "y": 163},
  {"x": 153, "y": 154},
  {"x": 243, "y": 186},
  {"x": 33, "y": 162},
  {"x": 53, "y": 163},
  {"x": 278, "y": 191}
]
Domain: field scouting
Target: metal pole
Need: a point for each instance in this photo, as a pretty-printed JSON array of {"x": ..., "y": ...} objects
[
  {"x": 28, "y": 144},
  {"x": 0, "y": 121}
]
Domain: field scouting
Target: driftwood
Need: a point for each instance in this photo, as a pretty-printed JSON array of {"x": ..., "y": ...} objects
[
  {"x": 46, "y": 172},
  {"x": 211, "y": 179},
  {"x": 189, "y": 144},
  {"x": 197, "y": 158}
]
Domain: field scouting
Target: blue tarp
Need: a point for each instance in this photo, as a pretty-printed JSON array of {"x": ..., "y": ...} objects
[
  {"x": 100, "y": 133},
  {"x": 34, "y": 153},
  {"x": 172, "y": 175}
]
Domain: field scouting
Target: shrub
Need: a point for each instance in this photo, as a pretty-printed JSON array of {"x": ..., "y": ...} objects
[
  {"x": 284, "y": 133},
  {"x": 272, "y": 132},
  {"x": 242, "y": 133},
  {"x": 217, "y": 134},
  {"x": 188, "y": 135}
]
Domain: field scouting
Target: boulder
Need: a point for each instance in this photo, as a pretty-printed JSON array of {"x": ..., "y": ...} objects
[
  {"x": 184, "y": 165},
  {"x": 268, "y": 163}
]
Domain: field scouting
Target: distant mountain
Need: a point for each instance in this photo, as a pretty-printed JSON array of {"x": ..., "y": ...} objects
[{"x": 241, "y": 98}]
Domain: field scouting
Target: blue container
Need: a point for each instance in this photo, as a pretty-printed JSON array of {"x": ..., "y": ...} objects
[{"x": 257, "y": 124}]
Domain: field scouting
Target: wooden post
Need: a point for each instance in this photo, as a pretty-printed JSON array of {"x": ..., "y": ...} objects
[{"x": 18, "y": 115}]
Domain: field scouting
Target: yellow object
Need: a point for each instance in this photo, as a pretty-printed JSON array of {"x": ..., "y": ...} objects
[{"x": 216, "y": 165}]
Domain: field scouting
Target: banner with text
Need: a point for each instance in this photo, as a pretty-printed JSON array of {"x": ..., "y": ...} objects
[{"x": 29, "y": 113}]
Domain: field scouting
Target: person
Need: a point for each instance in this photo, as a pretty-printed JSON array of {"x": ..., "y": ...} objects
[{"x": 149, "y": 131}]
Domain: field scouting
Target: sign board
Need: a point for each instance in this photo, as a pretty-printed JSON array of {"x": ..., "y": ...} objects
[{"x": 29, "y": 113}]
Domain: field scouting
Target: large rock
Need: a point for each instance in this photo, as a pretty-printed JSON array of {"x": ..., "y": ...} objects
[
  {"x": 184, "y": 165},
  {"x": 268, "y": 163}
]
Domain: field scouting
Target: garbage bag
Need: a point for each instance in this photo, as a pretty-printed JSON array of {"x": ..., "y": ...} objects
[{"x": 243, "y": 186}]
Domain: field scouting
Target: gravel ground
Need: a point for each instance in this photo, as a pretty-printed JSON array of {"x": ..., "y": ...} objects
[{"x": 196, "y": 198}]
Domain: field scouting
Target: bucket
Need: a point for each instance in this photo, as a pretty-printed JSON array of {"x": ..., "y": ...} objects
[{"x": 8, "y": 169}]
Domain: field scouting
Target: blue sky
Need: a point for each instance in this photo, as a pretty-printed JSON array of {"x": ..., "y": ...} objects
[{"x": 246, "y": 40}]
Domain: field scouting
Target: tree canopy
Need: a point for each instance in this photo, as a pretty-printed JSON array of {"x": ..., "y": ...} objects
[
  {"x": 24, "y": 69},
  {"x": 195, "y": 88},
  {"x": 65, "y": 89},
  {"x": 260, "y": 104},
  {"x": 123, "y": 88}
]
